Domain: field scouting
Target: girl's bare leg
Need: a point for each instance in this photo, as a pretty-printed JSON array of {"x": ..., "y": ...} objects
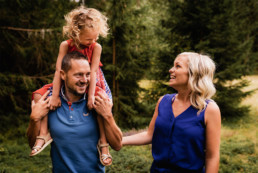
[
  {"x": 103, "y": 140},
  {"x": 43, "y": 132}
]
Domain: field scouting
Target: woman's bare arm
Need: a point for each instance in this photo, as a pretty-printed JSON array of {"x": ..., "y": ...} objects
[
  {"x": 213, "y": 127},
  {"x": 144, "y": 137}
]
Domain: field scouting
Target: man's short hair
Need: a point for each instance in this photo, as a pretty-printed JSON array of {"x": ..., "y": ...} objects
[{"x": 66, "y": 62}]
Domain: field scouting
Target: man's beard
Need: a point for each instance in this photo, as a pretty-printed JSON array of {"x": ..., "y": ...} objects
[{"x": 73, "y": 91}]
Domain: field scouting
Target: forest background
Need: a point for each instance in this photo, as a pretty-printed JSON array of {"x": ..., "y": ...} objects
[{"x": 144, "y": 38}]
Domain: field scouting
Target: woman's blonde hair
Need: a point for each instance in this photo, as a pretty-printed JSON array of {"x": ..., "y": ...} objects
[
  {"x": 83, "y": 18},
  {"x": 201, "y": 69}
]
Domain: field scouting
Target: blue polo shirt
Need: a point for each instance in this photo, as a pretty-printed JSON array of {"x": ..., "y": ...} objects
[{"x": 75, "y": 135}]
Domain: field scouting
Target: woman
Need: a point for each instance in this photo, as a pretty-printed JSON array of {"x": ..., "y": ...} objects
[{"x": 185, "y": 128}]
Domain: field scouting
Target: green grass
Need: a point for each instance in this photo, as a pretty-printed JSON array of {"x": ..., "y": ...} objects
[
  {"x": 238, "y": 148},
  {"x": 239, "y": 137},
  {"x": 131, "y": 159},
  {"x": 14, "y": 155}
]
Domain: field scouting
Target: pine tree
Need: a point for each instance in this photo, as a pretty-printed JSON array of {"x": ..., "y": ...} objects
[
  {"x": 170, "y": 44},
  {"x": 30, "y": 32},
  {"x": 225, "y": 30},
  {"x": 125, "y": 57}
]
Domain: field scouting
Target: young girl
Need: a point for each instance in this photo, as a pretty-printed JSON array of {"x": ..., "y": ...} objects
[{"x": 83, "y": 27}]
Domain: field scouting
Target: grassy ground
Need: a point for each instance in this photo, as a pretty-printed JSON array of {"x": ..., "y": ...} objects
[
  {"x": 239, "y": 137},
  {"x": 238, "y": 148}
]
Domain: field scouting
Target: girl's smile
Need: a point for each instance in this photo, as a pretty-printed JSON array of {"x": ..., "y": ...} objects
[{"x": 87, "y": 37}]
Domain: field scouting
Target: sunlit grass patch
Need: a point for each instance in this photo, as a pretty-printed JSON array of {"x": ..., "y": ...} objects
[
  {"x": 239, "y": 137},
  {"x": 238, "y": 155},
  {"x": 146, "y": 84},
  {"x": 131, "y": 159}
]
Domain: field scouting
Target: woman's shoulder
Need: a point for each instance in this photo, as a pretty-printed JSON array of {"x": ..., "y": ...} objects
[
  {"x": 169, "y": 96},
  {"x": 166, "y": 97},
  {"x": 212, "y": 111},
  {"x": 212, "y": 105}
]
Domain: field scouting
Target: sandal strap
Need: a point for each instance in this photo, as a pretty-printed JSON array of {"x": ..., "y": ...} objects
[
  {"x": 45, "y": 138},
  {"x": 36, "y": 148},
  {"x": 106, "y": 156},
  {"x": 103, "y": 145},
  {"x": 41, "y": 137}
]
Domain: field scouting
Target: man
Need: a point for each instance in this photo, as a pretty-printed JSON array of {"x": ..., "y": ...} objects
[{"x": 73, "y": 128}]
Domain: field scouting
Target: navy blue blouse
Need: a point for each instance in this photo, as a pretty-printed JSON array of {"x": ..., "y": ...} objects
[{"x": 178, "y": 143}]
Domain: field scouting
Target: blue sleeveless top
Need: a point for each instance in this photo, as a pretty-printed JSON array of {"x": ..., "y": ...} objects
[
  {"x": 178, "y": 144},
  {"x": 75, "y": 133}
]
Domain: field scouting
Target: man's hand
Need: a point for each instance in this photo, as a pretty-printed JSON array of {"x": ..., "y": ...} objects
[
  {"x": 103, "y": 105},
  {"x": 40, "y": 109},
  {"x": 54, "y": 102}
]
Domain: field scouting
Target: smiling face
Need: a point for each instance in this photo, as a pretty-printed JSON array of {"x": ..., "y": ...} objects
[
  {"x": 77, "y": 78},
  {"x": 87, "y": 37},
  {"x": 179, "y": 75}
]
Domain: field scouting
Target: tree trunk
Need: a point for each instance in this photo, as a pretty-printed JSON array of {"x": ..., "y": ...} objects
[{"x": 115, "y": 100}]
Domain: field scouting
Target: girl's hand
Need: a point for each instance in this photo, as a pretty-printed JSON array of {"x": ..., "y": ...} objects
[
  {"x": 90, "y": 102},
  {"x": 54, "y": 102}
]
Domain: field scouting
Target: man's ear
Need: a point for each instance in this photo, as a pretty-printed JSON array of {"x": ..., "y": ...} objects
[{"x": 62, "y": 74}]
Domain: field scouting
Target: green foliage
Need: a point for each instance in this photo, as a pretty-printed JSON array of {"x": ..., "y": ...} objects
[
  {"x": 238, "y": 156},
  {"x": 15, "y": 95},
  {"x": 30, "y": 37},
  {"x": 125, "y": 53},
  {"x": 224, "y": 29},
  {"x": 230, "y": 105}
]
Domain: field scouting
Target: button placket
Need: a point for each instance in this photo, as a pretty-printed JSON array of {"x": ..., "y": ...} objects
[{"x": 71, "y": 117}]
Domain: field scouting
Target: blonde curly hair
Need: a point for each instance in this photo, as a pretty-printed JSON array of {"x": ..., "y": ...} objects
[
  {"x": 201, "y": 69},
  {"x": 82, "y": 18}
]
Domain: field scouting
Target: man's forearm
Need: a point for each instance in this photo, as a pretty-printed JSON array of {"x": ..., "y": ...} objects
[
  {"x": 33, "y": 130},
  {"x": 113, "y": 133},
  {"x": 103, "y": 107},
  {"x": 39, "y": 109}
]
